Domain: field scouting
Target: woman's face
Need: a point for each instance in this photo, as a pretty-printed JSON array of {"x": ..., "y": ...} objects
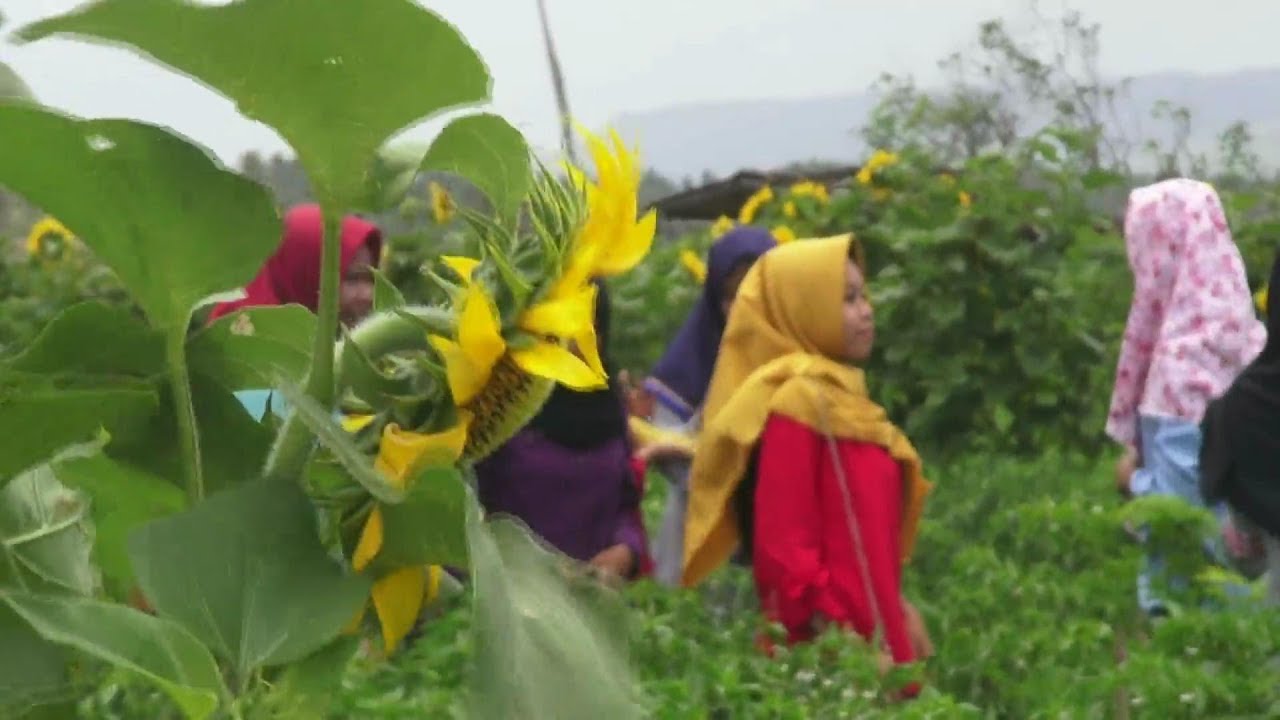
[
  {"x": 355, "y": 298},
  {"x": 859, "y": 319}
]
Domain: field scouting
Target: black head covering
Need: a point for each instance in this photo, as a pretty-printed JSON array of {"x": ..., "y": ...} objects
[
  {"x": 1240, "y": 457},
  {"x": 584, "y": 420}
]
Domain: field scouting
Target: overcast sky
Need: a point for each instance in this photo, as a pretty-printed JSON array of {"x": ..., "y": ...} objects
[{"x": 627, "y": 55}]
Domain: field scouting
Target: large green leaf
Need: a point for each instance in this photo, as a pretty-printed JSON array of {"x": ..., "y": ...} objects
[
  {"x": 33, "y": 671},
  {"x": 549, "y": 642},
  {"x": 122, "y": 498},
  {"x": 156, "y": 649},
  {"x": 37, "y": 422},
  {"x": 489, "y": 152},
  {"x": 94, "y": 339},
  {"x": 247, "y": 349},
  {"x": 233, "y": 445},
  {"x": 335, "y": 79},
  {"x": 429, "y": 527},
  {"x": 245, "y": 572},
  {"x": 46, "y": 537},
  {"x": 11, "y": 86},
  {"x": 180, "y": 227},
  {"x": 306, "y": 688}
]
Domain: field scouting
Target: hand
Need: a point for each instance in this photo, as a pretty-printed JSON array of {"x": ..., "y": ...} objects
[
  {"x": 616, "y": 560},
  {"x": 1125, "y": 468},
  {"x": 1242, "y": 545},
  {"x": 921, "y": 645},
  {"x": 639, "y": 401},
  {"x": 662, "y": 450}
]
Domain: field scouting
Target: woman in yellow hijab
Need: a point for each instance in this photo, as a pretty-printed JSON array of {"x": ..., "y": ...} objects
[{"x": 797, "y": 464}]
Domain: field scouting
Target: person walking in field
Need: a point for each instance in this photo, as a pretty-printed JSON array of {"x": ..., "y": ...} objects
[
  {"x": 679, "y": 382},
  {"x": 1190, "y": 331},
  {"x": 292, "y": 276},
  {"x": 568, "y": 474},
  {"x": 797, "y": 464},
  {"x": 1240, "y": 458}
]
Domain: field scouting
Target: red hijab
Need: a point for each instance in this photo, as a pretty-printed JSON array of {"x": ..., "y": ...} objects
[{"x": 292, "y": 274}]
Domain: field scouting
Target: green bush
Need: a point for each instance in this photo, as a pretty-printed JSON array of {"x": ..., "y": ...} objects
[{"x": 1025, "y": 577}]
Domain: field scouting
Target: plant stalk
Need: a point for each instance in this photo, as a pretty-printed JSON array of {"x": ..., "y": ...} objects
[
  {"x": 184, "y": 407},
  {"x": 294, "y": 445}
]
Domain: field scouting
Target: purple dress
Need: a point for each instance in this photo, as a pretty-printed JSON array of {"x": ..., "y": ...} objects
[{"x": 580, "y": 501}]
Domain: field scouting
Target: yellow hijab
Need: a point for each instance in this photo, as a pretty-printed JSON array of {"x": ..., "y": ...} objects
[{"x": 776, "y": 357}]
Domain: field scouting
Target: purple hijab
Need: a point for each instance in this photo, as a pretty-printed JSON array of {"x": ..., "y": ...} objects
[{"x": 684, "y": 371}]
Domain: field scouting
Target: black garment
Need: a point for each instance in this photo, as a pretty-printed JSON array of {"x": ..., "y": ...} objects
[
  {"x": 1240, "y": 456},
  {"x": 582, "y": 420}
]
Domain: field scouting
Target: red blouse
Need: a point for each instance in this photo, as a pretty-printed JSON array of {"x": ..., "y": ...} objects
[{"x": 804, "y": 556}]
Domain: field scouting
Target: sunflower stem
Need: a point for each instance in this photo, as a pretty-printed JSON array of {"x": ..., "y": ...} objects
[
  {"x": 295, "y": 443},
  {"x": 184, "y": 407}
]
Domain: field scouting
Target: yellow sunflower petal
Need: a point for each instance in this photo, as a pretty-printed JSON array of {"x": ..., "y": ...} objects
[
  {"x": 465, "y": 381},
  {"x": 397, "y": 598},
  {"x": 461, "y": 265},
  {"x": 433, "y": 584},
  {"x": 355, "y": 423},
  {"x": 627, "y": 250},
  {"x": 589, "y": 346},
  {"x": 627, "y": 165},
  {"x": 607, "y": 172},
  {"x": 561, "y": 317},
  {"x": 370, "y": 541},
  {"x": 401, "y": 453},
  {"x": 470, "y": 360},
  {"x": 556, "y": 363}
]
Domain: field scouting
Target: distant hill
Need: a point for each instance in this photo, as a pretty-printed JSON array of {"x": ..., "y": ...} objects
[{"x": 722, "y": 137}]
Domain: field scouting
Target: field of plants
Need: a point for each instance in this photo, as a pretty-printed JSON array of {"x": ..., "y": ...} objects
[{"x": 283, "y": 565}]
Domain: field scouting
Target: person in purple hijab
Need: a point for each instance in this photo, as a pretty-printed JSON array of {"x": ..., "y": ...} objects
[
  {"x": 567, "y": 475},
  {"x": 679, "y": 381}
]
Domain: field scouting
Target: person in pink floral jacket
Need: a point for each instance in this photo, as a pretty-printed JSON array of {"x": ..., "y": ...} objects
[{"x": 1191, "y": 330}]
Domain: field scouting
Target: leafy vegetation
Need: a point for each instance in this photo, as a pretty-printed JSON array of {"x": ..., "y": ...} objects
[{"x": 1000, "y": 285}]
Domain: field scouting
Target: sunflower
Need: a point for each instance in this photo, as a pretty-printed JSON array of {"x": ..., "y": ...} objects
[
  {"x": 783, "y": 234},
  {"x": 399, "y": 595},
  {"x": 694, "y": 264},
  {"x": 42, "y": 232},
  {"x": 503, "y": 374},
  {"x": 721, "y": 226},
  {"x": 753, "y": 204},
  {"x": 808, "y": 188},
  {"x": 878, "y": 161},
  {"x": 442, "y": 206},
  {"x": 447, "y": 384}
]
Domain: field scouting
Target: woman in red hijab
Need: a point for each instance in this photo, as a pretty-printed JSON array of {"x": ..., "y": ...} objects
[{"x": 292, "y": 274}]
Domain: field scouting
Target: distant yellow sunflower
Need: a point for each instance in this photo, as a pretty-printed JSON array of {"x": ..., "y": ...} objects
[
  {"x": 694, "y": 264},
  {"x": 442, "y": 206},
  {"x": 47, "y": 229},
  {"x": 878, "y": 161},
  {"x": 808, "y": 188},
  {"x": 783, "y": 234},
  {"x": 721, "y": 226},
  {"x": 753, "y": 204}
]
